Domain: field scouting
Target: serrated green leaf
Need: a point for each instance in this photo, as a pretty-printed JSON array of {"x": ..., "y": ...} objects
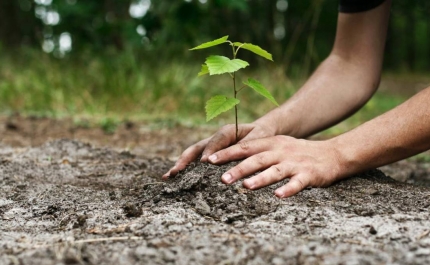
[
  {"x": 211, "y": 43},
  {"x": 219, "y": 104},
  {"x": 204, "y": 70},
  {"x": 260, "y": 89},
  {"x": 255, "y": 49},
  {"x": 220, "y": 64}
]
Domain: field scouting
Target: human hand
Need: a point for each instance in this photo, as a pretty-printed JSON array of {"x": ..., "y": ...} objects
[
  {"x": 306, "y": 163},
  {"x": 225, "y": 137}
]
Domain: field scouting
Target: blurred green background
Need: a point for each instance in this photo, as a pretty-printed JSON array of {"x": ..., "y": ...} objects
[{"x": 130, "y": 60}]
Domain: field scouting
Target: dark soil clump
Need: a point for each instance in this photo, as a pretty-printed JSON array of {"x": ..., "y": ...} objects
[{"x": 200, "y": 187}]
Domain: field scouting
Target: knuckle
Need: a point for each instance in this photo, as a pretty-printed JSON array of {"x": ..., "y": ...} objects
[
  {"x": 191, "y": 150},
  {"x": 300, "y": 183},
  {"x": 219, "y": 135},
  {"x": 214, "y": 142},
  {"x": 278, "y": 171},
  {"x": 260, "y": 160},
  {"x": 307, "y": 168},
  {"x": 226, "y": 128},
  {"x": 244, "y": 145},
  {"x": 239, "y": 170}
]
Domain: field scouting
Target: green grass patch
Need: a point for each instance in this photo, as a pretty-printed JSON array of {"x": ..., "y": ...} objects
[
  {"x": 110, "y": 88},
  {"x": 380, "y": 103},
  {"x": 127, "y": 85}
]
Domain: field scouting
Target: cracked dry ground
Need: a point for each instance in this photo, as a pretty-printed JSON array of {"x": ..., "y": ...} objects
[{"x": 67, "y": 202}]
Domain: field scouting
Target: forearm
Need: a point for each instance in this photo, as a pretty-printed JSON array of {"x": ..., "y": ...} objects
[
  {"x": 342, "y": 83},
  {"x": 335, "y": 91},
  {"x": 398, "y": 134}
]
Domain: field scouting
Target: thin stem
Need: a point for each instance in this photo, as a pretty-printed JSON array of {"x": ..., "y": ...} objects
[
  {"x": 235, "y": 96},
  {"x": 232, "y": 46},
  {"x": 234, "y": 88},
  {"x": 240, "y": 89},
  {"x": 235, "y": 107},
  {"x": 237, "y": 50}
]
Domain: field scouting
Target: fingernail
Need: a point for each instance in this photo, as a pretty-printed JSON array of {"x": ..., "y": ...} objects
[
  {"x": 249, "y": 184},
  {"x": 279, "y": 194},
  {"x": 227, "y": 178},
  {"x": 213, "y": 158}
]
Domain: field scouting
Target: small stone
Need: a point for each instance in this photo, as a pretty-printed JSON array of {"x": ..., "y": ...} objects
[
  {"x": 202, "y": 207},
  {"x": 372, "y": 230},
  {"x": 371, "y": 191}
]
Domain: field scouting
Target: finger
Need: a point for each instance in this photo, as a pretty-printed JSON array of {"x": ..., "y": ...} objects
[
  {"x": 273, "y": 174},
  {"x": 294, "y": 186},
  {"x": 190, "y": 154},
  {"x": 242, "y": 150},
  {"x": 249, "y": 166},
  {"x": 220, "y": 140}
]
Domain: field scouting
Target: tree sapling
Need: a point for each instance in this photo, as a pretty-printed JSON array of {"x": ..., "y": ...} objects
[{"x": 216, "y": 65}]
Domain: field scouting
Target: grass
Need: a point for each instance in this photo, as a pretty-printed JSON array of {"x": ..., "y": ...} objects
[
  {"x": 125, "y": 86},
  {"x": 119, "y": 86},
  {"x": 381, "y": 102}
]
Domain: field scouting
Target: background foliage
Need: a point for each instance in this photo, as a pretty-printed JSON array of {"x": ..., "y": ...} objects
[
  {"x": 299, "y": 33},
  {"x": 131, "y": 56}
]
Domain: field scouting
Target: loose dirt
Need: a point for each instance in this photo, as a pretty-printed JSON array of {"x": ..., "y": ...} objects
[{"x": 71, "y": 202}]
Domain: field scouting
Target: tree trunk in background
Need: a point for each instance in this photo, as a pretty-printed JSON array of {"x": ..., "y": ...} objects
[
  {"x": 270, "y": 6},
  {"x": 410, "y": 38},
  {"x": 17, "y": 26},
  {"x": 119, "y": 12},
  {"x": 390, "y": 57},
  {"x": 428, "y": 36}
]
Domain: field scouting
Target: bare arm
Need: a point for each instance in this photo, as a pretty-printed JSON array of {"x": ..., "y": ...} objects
[
  {"x": 400, "y": 133},
  {"x": 342, "y": 83}
]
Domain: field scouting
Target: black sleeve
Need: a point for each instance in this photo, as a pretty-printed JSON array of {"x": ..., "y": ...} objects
[{"x": 353, "y": 6}]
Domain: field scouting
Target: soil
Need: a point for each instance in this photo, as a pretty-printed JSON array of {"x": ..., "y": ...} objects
[{"x": 97, "y": 198}]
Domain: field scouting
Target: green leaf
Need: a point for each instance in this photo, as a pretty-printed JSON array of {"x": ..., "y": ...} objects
[
  {"x": 220, "y": 64},
  {"x": 219, "y": 104},
  {"x": 255, "y": 49},
  {"x": 211, "y": 43},
  {"x": 259, "y": 88},
  {"x": 204, "y": 70}
]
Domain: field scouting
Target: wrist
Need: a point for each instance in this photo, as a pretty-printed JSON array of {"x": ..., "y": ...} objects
[
  {"x": 269, "y": 124},
  {"x": 277, "y": 123},
  {"x": 347, "y": 155}
]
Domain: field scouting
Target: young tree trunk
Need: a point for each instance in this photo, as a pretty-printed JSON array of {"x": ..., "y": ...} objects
[
  {"x": 17, "y": 26},
  {"x": 410, "y": 37}
]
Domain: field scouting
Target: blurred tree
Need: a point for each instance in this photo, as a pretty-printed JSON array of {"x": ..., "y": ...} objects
[
  {"x": 300, "y": 33},
  {"x": 18, "y": 24}
]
